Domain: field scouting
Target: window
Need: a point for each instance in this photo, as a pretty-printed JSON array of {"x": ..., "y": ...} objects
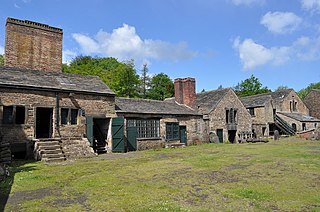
[
  {"x": 69, "y": 116},
  {"x": 172, "y": 131},
  {"x": 14, "y": 114},
  {"x": 231, "y": 116},
  {"x": 304, "y": 127},
  {"x": 251, "y": 111},
  {"x": 146, "y": 128}
]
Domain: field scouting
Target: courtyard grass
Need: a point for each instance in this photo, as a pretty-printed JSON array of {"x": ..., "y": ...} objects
[{"x": 280, "y": 175}]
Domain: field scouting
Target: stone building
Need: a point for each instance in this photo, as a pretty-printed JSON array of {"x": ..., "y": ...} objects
[
  {"x": 223, "y": 113},
  {"x": 282, "y": 110},
  {"x": 312, "y": 101},
  {"x": 45, "y": 112},
  {"x": 159, "y": 123}
]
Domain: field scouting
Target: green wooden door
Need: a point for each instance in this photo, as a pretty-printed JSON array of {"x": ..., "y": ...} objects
[
  {"x": 183, "y": 134},
  {"x": 220, "y": 135},
  {"x": 89, "y": 129},
  {"x": 132, "y": 138},
  {"x": 118, "y": 135}
]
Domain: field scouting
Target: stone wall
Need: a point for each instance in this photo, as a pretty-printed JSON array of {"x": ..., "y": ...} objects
[
  {"x": 284, "y": 105},
  {"x": 290, "y": 121},
  {"x": 19, "y": 133},
  {"x": 312, "y": 101},
  {"x": 217, "y": 117},
  {"x": 33, "y": 45},
  {"x": 262, "y": 118}
]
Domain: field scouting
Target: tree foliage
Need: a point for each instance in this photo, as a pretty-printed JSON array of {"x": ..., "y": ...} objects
[
  {"x": 161, "y": 87},
  {"x": 1, "y": 60},
  {"x": 145, "y": 81},
  {"x": 281, "y": 88},
  {"x": 121, "y": 77},
  {"x": 305, "y": 91},
  {"x": 250, "y": 86}
]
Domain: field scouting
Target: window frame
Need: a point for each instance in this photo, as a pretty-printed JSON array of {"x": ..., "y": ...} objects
[
  {"x": 66, "y": 116},
  {"x": 146, "y": 128},
  {"x": 172, "y": 131},
  {"x": 15, "y": 117}
]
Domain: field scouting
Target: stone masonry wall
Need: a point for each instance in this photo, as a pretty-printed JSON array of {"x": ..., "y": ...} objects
[
  {"x": 33, "y": 45},
  {"x": 290, "y": 121},
  {"x": 312, "y": 101},
  {"x": 284, "y": 106},
  {"x": 100, "y": 105},
  {"x": 217, "y": 117}
]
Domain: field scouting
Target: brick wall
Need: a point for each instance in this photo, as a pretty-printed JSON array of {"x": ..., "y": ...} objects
[
  {"x": 185, "y": 91},
  {"x": 33, "y": 45}
]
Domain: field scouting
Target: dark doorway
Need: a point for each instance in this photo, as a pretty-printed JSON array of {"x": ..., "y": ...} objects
[
  {"x": 220, "y": 135},
  {"x": 264, "y": 131},
  {"x": 183, "y": 134},
  {"x": 294, "y": 127},
  {"x": 232, "y": 136},
  {"x": 100, "y": 133},
  {"x": 44, "y": 122}
]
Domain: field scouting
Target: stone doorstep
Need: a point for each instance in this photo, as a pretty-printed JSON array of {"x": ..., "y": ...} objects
[
  {"x": 52, "y": 160},
  {"x": 41, "y": 143},
  {"x": 57, "y": 155},
  {"x": 175, "y": 145},
  {"x": 49, "y": 151}
]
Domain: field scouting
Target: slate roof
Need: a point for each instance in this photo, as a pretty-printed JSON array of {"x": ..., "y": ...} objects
[
  {"x": 53, "y": 81},
  {"x": 207, "y": 101},
  {"x": 300, "y": 117},
  {"x": 147, "y": 106},
  {"x": 255, "y": 101},
  {"x": 261, "y": 99}
]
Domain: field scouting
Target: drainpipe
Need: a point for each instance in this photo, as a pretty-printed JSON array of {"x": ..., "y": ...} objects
[{"x": 57, "y": 110}]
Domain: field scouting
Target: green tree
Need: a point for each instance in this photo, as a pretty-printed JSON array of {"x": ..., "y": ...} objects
[
  {"x": 121, "y": 77},
  {"x": 1, "y": 60},
  {"x": 145, "y": 81},
  {"x": 282, "y": 87},
  {"x": 305, "y": 91},
  {"x": 161, "y": 87},
  {"x": 125, "y": 81},
  {"x": 250, "y": 86}
]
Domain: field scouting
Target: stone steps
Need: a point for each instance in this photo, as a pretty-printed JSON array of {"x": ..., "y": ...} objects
[{"x": 49, "y": 150}]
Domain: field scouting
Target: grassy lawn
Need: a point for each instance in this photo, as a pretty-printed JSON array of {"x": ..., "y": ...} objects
[{"x": 280, "y": 175}]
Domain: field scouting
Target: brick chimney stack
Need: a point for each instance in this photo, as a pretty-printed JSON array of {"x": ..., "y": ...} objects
[
  {"x": 185, "y": 91},
  {"x": 33, "y": 45}
]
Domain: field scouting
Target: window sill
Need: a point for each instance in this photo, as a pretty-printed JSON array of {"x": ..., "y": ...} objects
[{"x": 153, "y": 138}]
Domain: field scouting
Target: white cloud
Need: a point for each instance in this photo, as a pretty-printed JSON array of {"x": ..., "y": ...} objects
[
  {"x": 68, "y": 56},
  {"x": 248, "y": 2},
  {"x": 124, "y": 43},
  {"x": 307, "y": 48},
  {"x": 311, "y": 5},
  {"x": 1, "y": 50},
  {"x": 16, "y": 6},
  {"x": 281, "y": 22},
  {"x": 253, "y": 54}
]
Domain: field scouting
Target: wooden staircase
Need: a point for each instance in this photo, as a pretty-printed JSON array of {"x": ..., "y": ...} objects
[
  {"x": 49, "y": 150},
  {"x": 284, "y": 126}
]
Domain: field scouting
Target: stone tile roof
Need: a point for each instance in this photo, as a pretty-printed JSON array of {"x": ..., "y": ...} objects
[
  {"x": 207, "y": 101},
  {"x": 255, "y": 101},
  {"x": 300, "y": 117},
  {"x": 53, "y": 81},
  {"x": 261, "y": 99},
  {"x": 147, "y": 106}
]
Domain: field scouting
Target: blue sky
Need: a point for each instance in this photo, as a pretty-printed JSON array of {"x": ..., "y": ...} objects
[{"x": 219, "y": 42}]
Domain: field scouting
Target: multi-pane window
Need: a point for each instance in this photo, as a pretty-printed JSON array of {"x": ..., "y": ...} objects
[
  {"x": 146, "y": 128},
  {"x": 14, "y": 115},
  {"x": 69, "y": 116},
  {"x": 172, "y": 131}
]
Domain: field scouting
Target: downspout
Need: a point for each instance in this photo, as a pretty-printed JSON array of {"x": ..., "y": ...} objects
[{"x": 57, "y": 113}]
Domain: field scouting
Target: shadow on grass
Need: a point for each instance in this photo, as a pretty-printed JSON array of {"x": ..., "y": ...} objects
[{"x": 6, "y": 184}]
